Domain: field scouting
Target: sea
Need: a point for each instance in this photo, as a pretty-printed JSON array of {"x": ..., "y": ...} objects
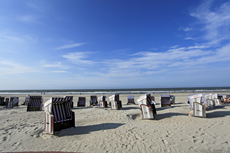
[{"x": 118, "y": 91}]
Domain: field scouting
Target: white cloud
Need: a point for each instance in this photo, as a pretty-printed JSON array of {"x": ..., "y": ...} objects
[
  {"x": 54, "y": 65},
  {"x": 79, "y": 58},
  {"x": 10, "y": 67},
  {"x": 67, "y": 46},
  {"x": 58, "y": 71},
  {"x": 216, "y": 23}
]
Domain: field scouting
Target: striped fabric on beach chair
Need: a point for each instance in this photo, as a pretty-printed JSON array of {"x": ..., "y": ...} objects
[
  {"x": 198, "y": 109},
  {"x": 13, "y": 102},
  {"x": 148, "y": 109},
  {"x": 58, "y": 114},
  {"x": 35, "y": 103},
  {"x": 93, "y": 100},
  {"x": 70, "y": 99},
  {"x": 207, "y": 99},
  {"x": 2, "y": 101},
  {"x": 102, "y": 102},
  {"x": 81, "y": 102},
  {"x": 131, "y": 99},
  {"x": 216, "y": 100},
  {"x": 115, "y": 102}
]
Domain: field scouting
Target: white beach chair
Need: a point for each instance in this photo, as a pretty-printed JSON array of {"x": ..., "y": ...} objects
[
  {"x": 216, "y": 100},
  {"x": 207, "y": 99},
  {"x": 115, "y": 102},
  {"x": 13, "y": 102},
  {"x": 58, "y": 114},
  {"x": 102, "y": 102},
  {"x": 199, "y": 110},
  {"x": 148, "y": 110}
]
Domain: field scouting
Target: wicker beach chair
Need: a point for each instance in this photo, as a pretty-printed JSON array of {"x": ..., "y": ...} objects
[
  {"x": 81, "y": 102},
  {"x": 216, "y": 100},
  {"x": 166, "y": 101},
  {"x": 148, "y": 109},
  {"x": 131, "y": 99},
  {"x": 195, "y": 98},
  {"x": 2, "y": 101},
  {"x": 198, "y": 109},
  {"x": 12, "y": 102},
  {"x": 58, "y": 114},
  {"x": 115, "y": 102},
  {"x": 93, "y": 100},
  {"x": 102, "y": 102},
  {"x": 207, "y": 99},
  {"x": 35, "y": 103},
  {"x": 70, "y": 99},
  {"x": 172, "y": 99}
]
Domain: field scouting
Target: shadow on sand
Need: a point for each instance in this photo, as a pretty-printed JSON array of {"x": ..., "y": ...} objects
[
  {"x": 78, "y": 130},
  {"x": 168, "y": 115},
  {"x": 127, "y": 108},
  {"x": 217, "y": 114}
]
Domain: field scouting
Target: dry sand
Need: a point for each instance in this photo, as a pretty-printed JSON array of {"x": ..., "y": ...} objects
[{"x": 106, "y": 130}]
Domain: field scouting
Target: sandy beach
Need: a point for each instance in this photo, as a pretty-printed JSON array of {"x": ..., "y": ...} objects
[{"x": 106, "y": 130}]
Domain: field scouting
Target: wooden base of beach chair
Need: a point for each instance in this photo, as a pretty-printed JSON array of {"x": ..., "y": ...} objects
[
  {"x": 199, "y": 110},
  {"x": 116, "y": 105},
  {"x": 147, "y": 112},
  {"x": 165, "y": 105}
]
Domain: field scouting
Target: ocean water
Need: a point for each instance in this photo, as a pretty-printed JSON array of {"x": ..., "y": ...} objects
[{"x": 118, "y": 91}]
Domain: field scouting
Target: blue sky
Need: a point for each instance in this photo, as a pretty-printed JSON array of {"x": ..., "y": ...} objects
[{"x": 83, "y": 44}]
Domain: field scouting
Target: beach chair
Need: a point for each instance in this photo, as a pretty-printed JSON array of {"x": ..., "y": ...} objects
[
  {"x": 115, "y": 102},
  {"x": 81, "y": 102},
  {"x": 227, "y": 98},
  {"x": 207, "y": 99},
  {"x": 27, "y": 99},
  {"x": 93, "y": 100},
  {"x": 216, "y": 100},
  {"x": 35, "y": 103},
  {"x": 148, "y": 109},
  {"x": 58, "y": 114},
  {"x": 166, "y": 101},
  {"x": 195, "y": 98},
  {"x": 2, "y": 101},
  {"x": 220, "y": 97},
  {"x": 12, "y": 102},
  {"x": 131, "y": 99},
  {"x": 102, "y": 102},
  {"x": 199, "y": 110}
]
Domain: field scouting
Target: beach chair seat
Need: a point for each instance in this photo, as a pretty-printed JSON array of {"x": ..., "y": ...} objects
[
  {"x": 115, "y": 102},
  {"x": 199, "y": 110},
  {"x": 101, "y": 101},
  {"x": 165, "y": 101},
  {"x": 58, "y": 114},
  {"x": 148, "y": 110},
  {"x": 207, "y": 100},
  {"x": 93, "y": 100},
  {"x": 35, "y": 103},
  {"x": 131, "y": 99},
  {"x": 81, "y": 102}
]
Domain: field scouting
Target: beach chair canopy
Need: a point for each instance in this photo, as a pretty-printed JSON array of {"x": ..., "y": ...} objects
[
  {"x": 93, "y": 99},
  {"x": 197, "y": 97},
  {"x": 81, "y": 101}
]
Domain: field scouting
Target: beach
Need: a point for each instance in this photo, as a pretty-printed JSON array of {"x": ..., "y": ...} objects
[{"x": 106, "y": 130}]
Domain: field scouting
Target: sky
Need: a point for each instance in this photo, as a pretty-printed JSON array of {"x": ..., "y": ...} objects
[{"x": 104, "y": 44}]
